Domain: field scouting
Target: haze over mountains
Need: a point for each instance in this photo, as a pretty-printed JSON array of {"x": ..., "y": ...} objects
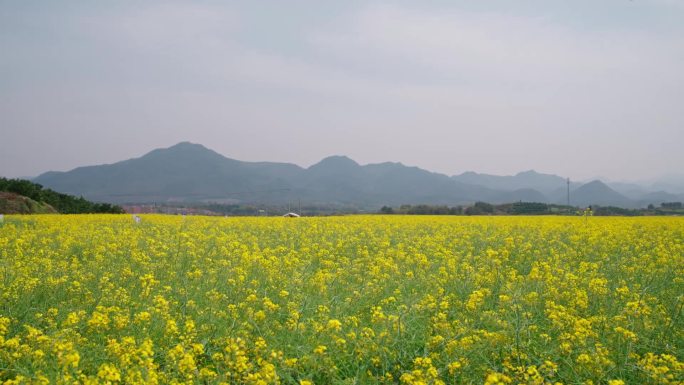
[{"x": 191, "y": 172}]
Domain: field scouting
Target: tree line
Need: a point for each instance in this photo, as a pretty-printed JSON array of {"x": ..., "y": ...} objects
[
  {"x": 529, "y": 208},
  {"x": 480, "y": 208},
  {"x": 63, "y": 203}
]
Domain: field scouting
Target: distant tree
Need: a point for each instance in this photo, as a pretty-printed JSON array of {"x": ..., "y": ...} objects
[
  {"x": 650, "y": 206},
  {"x": 423, "y": 209},
  {"x": 428, "y": 210},
  {"x": 480, "y": 208},
  {"x": 671, "y": 205},
  {"x": 529, "y": 208},
  {"x": 63, "y": 203},
  {"x": 612, "y": 211}
]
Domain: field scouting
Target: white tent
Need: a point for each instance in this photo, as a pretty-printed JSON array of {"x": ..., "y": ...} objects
[{"x": 291, "y": 215}]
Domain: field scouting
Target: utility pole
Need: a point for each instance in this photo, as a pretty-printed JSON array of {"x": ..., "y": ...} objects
[{"x": 568, "y": 191}]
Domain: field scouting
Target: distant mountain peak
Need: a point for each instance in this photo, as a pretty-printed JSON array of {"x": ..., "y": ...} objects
[
  {"x": 596, "y": 184},
  {"x": 597, "y": 192},
  {"x": 183, "y": 150},
  {"x": 335, "y": 162},
  {"x": 545, "y": 183},
  {"x": 187, "y": 146}
]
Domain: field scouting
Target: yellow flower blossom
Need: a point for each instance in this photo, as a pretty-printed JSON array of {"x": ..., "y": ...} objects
[{"x": 421, "y": 300}]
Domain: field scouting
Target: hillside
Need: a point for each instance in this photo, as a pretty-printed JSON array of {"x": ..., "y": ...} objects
[
  {"x": 598, "y": 193},
  {"x": 184, "y": 171},
  {"x": 11, "y": 203},
  {"x": 28, "y": 196},
  {"x": 193, "y": 173},
  {"x": 544, "y": 183},
  {"x": 189, "y": 171}
]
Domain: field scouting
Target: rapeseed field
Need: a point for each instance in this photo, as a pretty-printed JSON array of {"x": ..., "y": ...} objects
[{"x": 101, "y": 299}]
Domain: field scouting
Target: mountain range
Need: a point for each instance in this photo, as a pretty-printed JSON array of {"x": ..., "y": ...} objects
[{"x": 192, "y": 172}]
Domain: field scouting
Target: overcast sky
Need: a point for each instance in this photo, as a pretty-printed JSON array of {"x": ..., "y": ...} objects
[{"x": 579, "y": 88}]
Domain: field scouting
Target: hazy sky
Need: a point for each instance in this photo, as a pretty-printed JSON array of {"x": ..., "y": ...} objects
[{"x": 578, "y": 87}]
